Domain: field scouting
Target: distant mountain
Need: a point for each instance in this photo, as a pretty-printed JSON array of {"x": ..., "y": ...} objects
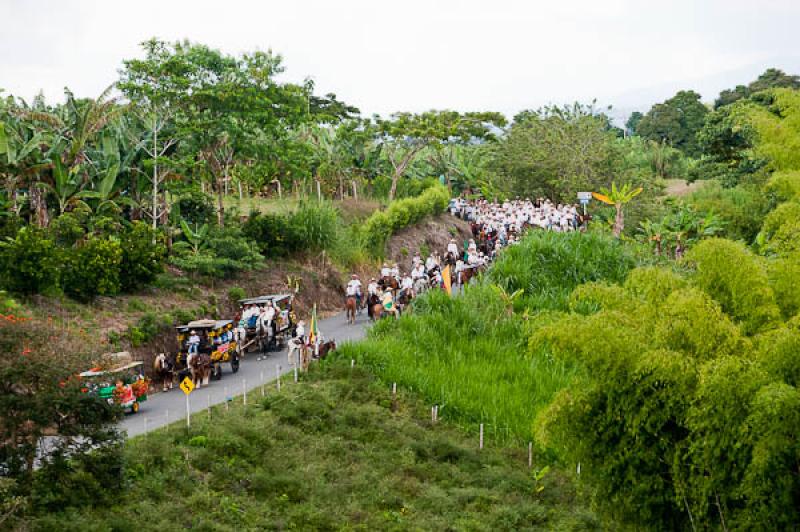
[{"x": 708, "y": 86}]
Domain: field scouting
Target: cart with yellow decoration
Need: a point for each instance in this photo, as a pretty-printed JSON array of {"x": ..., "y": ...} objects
[{"x": 214, "y": 338}]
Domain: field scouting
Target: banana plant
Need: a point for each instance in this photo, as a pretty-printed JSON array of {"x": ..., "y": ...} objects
[
  {"x": 67, "y": 184},
  {"x": 195, "y": 239},
  {"x": 618, "y": 197}
]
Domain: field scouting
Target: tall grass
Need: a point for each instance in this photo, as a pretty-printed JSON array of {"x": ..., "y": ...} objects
[
  {"x": 468, "y": 355},
  {"x": 548, "y": 266}
]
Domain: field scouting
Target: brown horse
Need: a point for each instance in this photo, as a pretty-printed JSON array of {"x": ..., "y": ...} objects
[
  {"x": 200, "y": 367},
  {"x": 388, "y": 283},
  {"x": 377, "y": 311},
  {"x": 164, "y": 370},
  {"x": 350, "y": 309},
  {"x": 326, "y": 348}
]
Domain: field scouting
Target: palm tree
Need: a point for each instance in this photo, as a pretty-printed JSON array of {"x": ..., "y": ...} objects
[{"x": 618, "y": 197}]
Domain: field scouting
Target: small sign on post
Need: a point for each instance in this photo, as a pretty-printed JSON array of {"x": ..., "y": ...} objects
[
  {"x": 583, "y": 198},
  {"x": 187, "y": 386}
]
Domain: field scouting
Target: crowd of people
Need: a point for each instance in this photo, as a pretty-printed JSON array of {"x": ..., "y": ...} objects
[{"x": 494, "y": 225}]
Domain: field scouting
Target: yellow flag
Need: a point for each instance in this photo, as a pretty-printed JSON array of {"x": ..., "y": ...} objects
[{"x": 446, "y": 279}]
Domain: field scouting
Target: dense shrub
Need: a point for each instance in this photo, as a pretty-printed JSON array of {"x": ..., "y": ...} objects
[
  {"x": 92, "y": 269},
  {"x": 737, "y": 280},
  {"x": 785, "y": 186},
  {"x": 195, "y": 207},
  {"x": 29, "y": 263},
  {"x": 274, "y": 234},
  {"x": 68, "y": 229},
  {"x": 742, "y": 208},
  {"x": 401, "y": 213},
  {"x": 548, "y": 265},
  {"x": 143, "y": 255}
]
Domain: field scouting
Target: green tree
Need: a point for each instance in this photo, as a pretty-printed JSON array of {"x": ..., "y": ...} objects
[
  {"x": 771, "y": 78},
  {"x": 555, "y": 152},
  {"x": 675, "y": 121},
  {"x": 633, "y": 122},
  {"x": 405, "y": 135}
]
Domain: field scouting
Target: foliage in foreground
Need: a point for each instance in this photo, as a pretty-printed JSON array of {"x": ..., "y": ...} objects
[
  {"x": 689, "y": 388},
  {"x": 326, "y": 454}
]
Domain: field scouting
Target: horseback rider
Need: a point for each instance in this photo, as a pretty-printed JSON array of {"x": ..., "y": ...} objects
[
  {"x": 386, "y": 271},
  {"x": 297, "y": 341},
  {"x": 396, "y": 271},
  {"x": 407, "y": 285},
  {"x": 452, "y": 247},
  {"x": 353, "y": 289},
  {"x": 389, "y": 304}
]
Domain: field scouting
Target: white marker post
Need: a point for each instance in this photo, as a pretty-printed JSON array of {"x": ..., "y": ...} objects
[
  {"x": 278, "y": 377},
  {"x": 208, "y": 397},
  {"x": 295, "y": 373},
  {"x": 188, "y": 413},
  {"x": 530, "y": 454},
  {"x": 244, "y": 391},
  {"x": 480, "y": 444},
  {"x": 227, "y": 406},
  {"x": 352, "y": 363},
  {"x": 261, "y": 375}
]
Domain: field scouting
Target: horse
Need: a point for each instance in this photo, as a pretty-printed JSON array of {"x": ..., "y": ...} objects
[
  {"x": 350, "y": 307},
  {"x": 164, "y": 370},
  {"x": 372, "y": 300},
  {"x": 388, "y": 283},
  {"x": 326, "y": 348},
  {"x": 376, "y": 311},
  {"x": 200, "y": 368}
]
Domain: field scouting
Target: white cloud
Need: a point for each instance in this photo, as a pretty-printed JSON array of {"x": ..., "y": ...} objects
[{"x": 415, "y": 55}]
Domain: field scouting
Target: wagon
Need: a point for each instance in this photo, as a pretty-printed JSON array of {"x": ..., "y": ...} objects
[
  {"x": 216, "y": 340},
  {"x": 123, "y": 384},
  {"x": 262, "y": 339}
]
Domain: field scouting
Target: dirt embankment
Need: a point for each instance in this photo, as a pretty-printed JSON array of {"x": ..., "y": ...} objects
[{"x": 430, "y": 236}]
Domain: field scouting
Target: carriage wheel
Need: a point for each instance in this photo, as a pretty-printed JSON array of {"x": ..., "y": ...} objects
[
  {"x": 217, "y": 372},
  {"x": 135, "y": 407},
  {"x": 234, "y": 364}
]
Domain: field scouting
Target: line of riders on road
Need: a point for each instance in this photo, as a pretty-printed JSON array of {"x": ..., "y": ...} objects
[
  {"x": 494, "y": 225},
  {"x": 269, "y": 323}
]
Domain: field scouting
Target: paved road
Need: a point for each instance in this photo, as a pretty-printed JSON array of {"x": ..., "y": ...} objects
[{"x": 163, "y": 408}]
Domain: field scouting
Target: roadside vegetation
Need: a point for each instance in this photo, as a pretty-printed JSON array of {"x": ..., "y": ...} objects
[
  {"x": 656, "y": 352},
  {"x": 328, "y": 453}
]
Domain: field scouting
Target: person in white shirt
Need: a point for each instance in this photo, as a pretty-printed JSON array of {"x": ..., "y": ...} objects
[
  {"x": 430, "y": 263},
  {"x": 194, "y": 342},
  {"x": 354, "y": 289},
  {"x": 416, "y": 259},
  {"x": 452, "y": 247},
  {"x": 472, "y": 247},
  {"x": 396, "y": 271},
  {"x": 372, "y": 287},
  {"x": 297, "y": 341},
  {"x": 407, "y": 285},
  {"x": 418, "y": 272},
  {"x": 386, "y": 271}
]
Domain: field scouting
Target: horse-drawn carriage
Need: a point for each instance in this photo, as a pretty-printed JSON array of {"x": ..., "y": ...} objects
[
  {"x": 216, "y": 347},
  {"x": 262, "y": 332},
  {"x": 119, "y": 381}
]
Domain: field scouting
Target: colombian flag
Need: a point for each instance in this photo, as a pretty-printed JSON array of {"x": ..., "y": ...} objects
[
  {"x": 446, "y": 279},
  {"x": 313, "y": 332}
]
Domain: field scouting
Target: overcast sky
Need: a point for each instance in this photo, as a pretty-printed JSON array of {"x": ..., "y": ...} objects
[{"x": 384, "y": 56}]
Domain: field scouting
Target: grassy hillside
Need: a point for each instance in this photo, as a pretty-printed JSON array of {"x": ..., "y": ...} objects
[{"x": 328, "y": 454}]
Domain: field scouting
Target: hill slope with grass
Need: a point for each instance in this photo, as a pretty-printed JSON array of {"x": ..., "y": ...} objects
[{"x": 328, "y": 453}]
